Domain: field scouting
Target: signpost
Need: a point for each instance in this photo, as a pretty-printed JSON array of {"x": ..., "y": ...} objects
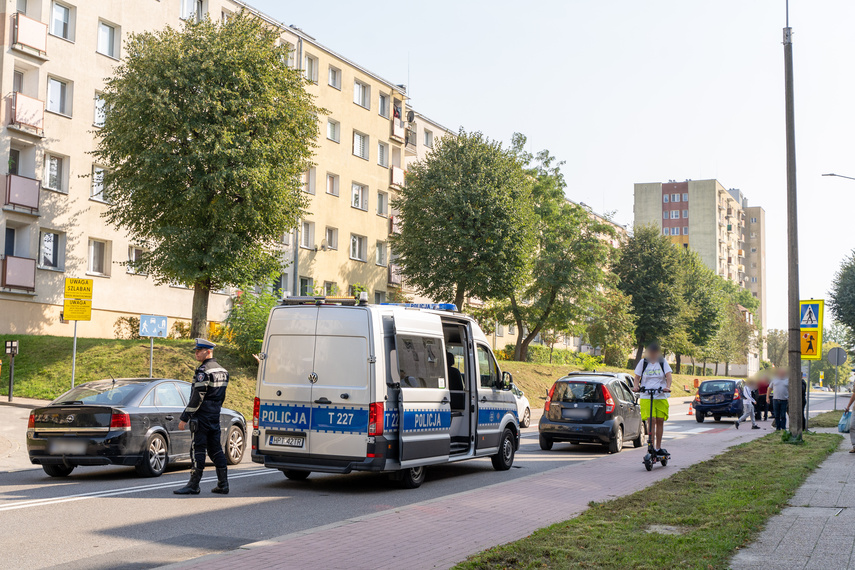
[
  {"x": 77, "y": 306},
  {"x": 810, "y": 339},
  {"x": 836, "y": 357},
  {"x": 11, "y": 350},
  {"x": 152, "y": 326}
]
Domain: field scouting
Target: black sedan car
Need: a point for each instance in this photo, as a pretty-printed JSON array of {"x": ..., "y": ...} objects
[
  {"x": 128, "y": 421},
  {"x": 591, "y": 407}
]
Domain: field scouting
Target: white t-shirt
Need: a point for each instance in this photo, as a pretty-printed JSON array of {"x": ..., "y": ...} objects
[{"x": 654, "y": 377}]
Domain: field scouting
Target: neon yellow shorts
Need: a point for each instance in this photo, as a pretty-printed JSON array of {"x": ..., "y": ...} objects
[{"x": 660, "y": 408}]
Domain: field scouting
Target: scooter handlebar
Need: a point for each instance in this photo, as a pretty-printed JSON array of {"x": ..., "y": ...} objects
[{"x": 653, "y": 390}]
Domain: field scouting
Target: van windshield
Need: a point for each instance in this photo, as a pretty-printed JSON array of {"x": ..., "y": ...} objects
[
  {"x": 714, "y": 387},
  {"x": 587, "y": 392}
]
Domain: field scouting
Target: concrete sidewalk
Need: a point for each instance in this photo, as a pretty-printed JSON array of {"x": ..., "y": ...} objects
[
  {"x": 818, "y": 529},
  {"x": 13, "y": 432},
  {"x": 443, "y": 532}
]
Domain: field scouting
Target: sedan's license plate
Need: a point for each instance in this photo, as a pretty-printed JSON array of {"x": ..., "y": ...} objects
[
  {"x": 574, "y": 414},
  {"x": 60, "y": 447},
  {"x": 287, "y": 441}
]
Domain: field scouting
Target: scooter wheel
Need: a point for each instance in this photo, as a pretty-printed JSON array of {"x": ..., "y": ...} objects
[
  {"x": 648, "y": 466},
  {"x": 664, "y": 462}
]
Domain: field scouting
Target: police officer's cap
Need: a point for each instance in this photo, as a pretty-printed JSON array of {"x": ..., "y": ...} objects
[{"x": 203, "y": 344}]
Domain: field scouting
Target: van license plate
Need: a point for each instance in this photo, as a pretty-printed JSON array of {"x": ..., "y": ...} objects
[
  {"x": 60, "y": 447},
  {"x": 287, "y": 441}
]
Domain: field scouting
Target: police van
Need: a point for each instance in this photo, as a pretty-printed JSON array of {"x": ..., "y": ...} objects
[{"x": 346, "y": 386}]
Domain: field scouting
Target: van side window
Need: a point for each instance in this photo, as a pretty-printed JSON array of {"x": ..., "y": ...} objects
[
  {"x": 487, "y": 368},
  {"x": 421, "y": 362}
]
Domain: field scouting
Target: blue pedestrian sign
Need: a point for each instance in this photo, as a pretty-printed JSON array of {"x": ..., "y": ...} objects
[
  {"x": 810, "y": 315},
  {"x": 153, "y": 325}
]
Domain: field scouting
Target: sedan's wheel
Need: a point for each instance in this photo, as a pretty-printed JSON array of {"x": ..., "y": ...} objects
[
  {"x": 296, "y": 475},
  {"x": 617, "y": 442},
  {"x": 57, "y": 470},
  {"x": 503, "y": 460},
  {"x": 641, "y": 440},
  {"x": 235, "y": 443},
  {"x": 526, "y": 419},
  {"x": 545, "y": 442},
  {"x": 155, "y": 457},
  {"x": 412, "y": 478}
]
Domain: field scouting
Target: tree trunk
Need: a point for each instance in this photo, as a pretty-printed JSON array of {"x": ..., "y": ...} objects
[
  {"x": 199, "y": 320},
  {"x": 638, "y": 354},
  {"x": 727, "y": 368},
  {"x": 551, "y": 348},
  {"x": 679, "y": 360},
  {"x": 705, "y": 367},
  {"x": 459, "y": 298},
  {"x": 716, "y": 367},
  {"x": 518, "y": 349}
]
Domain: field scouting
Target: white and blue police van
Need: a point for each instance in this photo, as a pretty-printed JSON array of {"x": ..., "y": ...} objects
[{"x": 346, "y": 386}]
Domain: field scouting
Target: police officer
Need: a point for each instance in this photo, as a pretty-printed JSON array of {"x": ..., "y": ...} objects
[{"x": 203, "y": 415}]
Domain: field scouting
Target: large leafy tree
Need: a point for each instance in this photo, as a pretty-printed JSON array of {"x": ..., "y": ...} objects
[
  {"x": 842, "y": 294},
  {"x": 465, "y": 214},
  {"x": 612, "y": 325},
  {"x": 206, "y": 136},
  {"x": 776, "y": 347},
  {"x": 648, "y": 271}
]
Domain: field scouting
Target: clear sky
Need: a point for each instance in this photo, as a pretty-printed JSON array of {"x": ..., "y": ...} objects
[{"x": 635, "y": 91}]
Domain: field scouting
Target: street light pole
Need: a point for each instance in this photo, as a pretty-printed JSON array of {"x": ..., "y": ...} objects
[{"x": 795, "y": 405}]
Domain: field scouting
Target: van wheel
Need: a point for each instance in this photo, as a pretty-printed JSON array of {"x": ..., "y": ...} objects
[
  {"x": 296, "y": 474},
  {"x": 57, "y": 470},
  {"x": 412, "y": 478},
  {"x": 545, "y": 442},
  {"x": 616, "y": 444},
  {"x": 503, "y": 460}
]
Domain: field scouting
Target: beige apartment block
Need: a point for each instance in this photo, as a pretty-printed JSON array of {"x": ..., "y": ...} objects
[{"x": 55, "y": 58}]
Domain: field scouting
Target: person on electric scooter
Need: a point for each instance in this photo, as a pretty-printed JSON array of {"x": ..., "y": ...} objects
[{"x": 651, "y": 373}]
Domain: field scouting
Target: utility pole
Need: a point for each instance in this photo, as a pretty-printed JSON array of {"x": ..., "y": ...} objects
[{"x": 795, "y": 406}]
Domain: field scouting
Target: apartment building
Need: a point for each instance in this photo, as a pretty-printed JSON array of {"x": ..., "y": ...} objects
[{"x": 55, "y": 56}]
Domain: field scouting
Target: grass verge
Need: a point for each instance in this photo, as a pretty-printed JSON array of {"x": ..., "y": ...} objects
[
  {"x": 826, "y": 419},
  {"x": 715, "y": 507}
]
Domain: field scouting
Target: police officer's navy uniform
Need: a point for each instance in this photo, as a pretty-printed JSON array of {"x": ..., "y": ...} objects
[{"x": 203, "y": 414}]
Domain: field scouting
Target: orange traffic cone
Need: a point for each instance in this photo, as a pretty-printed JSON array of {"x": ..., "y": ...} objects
[{"x": 691, "y": 413}]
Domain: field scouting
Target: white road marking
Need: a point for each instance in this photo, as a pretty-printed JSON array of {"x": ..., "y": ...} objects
[{"x": 123, "y": 491}]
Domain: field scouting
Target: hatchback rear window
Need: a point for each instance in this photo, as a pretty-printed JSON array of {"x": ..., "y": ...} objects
[
  {"x": 713, "y": 387},
  {"x": 105, "y": 393},
  {"x": 589, "y": 392}
]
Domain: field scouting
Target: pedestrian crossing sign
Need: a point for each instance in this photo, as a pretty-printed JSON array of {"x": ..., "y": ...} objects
[{"x": 810, "y": 325}]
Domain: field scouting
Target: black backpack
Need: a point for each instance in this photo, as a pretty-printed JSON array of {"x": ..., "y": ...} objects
[{"x": 645, "y": 363}]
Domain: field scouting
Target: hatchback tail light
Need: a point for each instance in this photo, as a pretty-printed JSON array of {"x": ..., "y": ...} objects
[
  {"x": 120, "y": 420},
  {"x": 31, "y": 423},
  {"x": 736, "y": 394},
  {"x": 375, "y": 418},
  {"x": 548, "y": 398},
  {"x": 610, "y": 403},
  {"x": 256, "y": 408}
]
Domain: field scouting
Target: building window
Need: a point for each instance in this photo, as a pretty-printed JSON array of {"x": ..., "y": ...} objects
[
  {"x": 428, "y": 138},
  {"x": 49, "y": 249},
  {"x": 100, "y": 111},
  {"x": 685, "y": 214},
  {"x": 753, "y": 235},
  {"x": 381, "y": 253},
  {"x": 358, "y": 247},
  {"x": 107, "y": 44},
  {"x": 333, "y": 130},
  {"x": 334, "y": 79},
  {"x": 54, "y": 173},
  {"x": 666, "y": 231},
  {"x": 675, "y": 231},
  {"x": 98, "y": 192},
  {"x": 666, "y": 214},
  {"x": 135, "y": 255},
  {"x": 306, "y": 288},
  {"x": 379, "y": 297},
  {"x": 330, "y": 289},
  {"x": 359, "y": 196},
  {"x": 383, "y": 105},
  {"x": 360, "y": 145},
  {"x": 383, "y": 154},
  {"x": 21, "y": 6},
  {"x": 225, "y": 16},
  {"x": 60, "y": 21},
  {"x": 500, "y": 329},
  {"x": 362, "y": 94},
  {"x": 97, "y": 257},
  {"x": 753, "y": 250},
  {"x": 307, "y": 235},
  {"x": 675, "y": 197},
  {"x": 685, "y": 230},
  {"x": 309, "y": 181},
  {"x": 754, "y": 280},
  {"x": 665, "y": 198},
  {"x": 193, "y": 10},
  {"x": 675, "y": 214},
  {"x": 382, "y": 204},
  {"x": 512, "y": 329},
  {"x": 331, "y": 237},
  {"x": 753, "y": 220},
  {"x": 58, "y": 96},
  {"x": 312, "y": 68},
  {"x": 685, "y": 196},
  {"x": 332, "y": 184}
]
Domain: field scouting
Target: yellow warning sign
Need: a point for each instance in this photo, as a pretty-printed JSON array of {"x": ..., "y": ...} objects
[
  {"x": 77, "y": 310},
  {"x": 810, "y": 343},
  {"x": 78, "y": 288}
]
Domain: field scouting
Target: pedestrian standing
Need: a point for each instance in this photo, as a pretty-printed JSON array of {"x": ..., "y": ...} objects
[
  {"x": 851, "y": 424},
  {"x": 762, "y": 404},
  {"x": 779, "y": 394},
  {"x": 748, "y": 402},
  {"x": 203, "y": 415}
]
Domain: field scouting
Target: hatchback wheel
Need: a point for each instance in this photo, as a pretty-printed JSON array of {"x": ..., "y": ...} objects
[
  {"x": 526, "y": 419},
  {"x": 641, "y": 440},
  {"x": 503, "y": 460},
  {"x": 545, "y": 442},
  {"x": 235, "y": 443},
  {"x": 57, "y": 470},
  {"x": 617, "y": 442},
  {"x": 699, "y": 418},
  {"x": 154, "y": 457}
]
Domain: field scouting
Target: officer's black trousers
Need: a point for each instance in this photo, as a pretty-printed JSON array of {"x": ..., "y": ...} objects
[{"x": 206, "y": 439}]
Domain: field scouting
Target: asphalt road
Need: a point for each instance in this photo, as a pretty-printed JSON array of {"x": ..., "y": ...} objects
[{"x": 106, "y": 517}]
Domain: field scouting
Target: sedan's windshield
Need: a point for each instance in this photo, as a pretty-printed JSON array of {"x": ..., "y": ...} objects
[
  {"x": 104, "y": 393},
  {"x": 717, "y": 386},
  {"x": 577, "y": 392}
]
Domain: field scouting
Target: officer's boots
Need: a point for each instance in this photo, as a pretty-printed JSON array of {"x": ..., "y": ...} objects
[
  {"x": 222, "y": 487},
  {"x": 192, "y": 486}
]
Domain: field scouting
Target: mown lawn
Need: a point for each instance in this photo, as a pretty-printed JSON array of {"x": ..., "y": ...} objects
[
  {"x": 714, "y": 507},
  {"x": 826, "y": 419}
]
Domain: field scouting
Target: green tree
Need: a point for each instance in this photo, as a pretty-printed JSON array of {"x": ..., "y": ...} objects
[
  {"x": 570, "y": 259},
  {"x": 776, "y": 347},
  {"x": 612, "y": 325},
  {"x": 832, "y": 374},
  {"x": 206, "y": 136},
  {"x": 648, "y": 272},
  {"x": 839, "y": 334},
  {"x": 247, "y": 320},
  {"x": 737, "y": 334},
  {"x": 465, "y": 214},
  {"x": 842, "y": 294}
]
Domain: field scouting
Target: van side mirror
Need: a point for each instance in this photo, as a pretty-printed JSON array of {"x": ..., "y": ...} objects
[{"x": 507, "y": 381}]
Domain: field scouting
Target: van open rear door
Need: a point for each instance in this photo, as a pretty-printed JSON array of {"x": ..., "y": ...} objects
[{"x": 424, "y": 402}]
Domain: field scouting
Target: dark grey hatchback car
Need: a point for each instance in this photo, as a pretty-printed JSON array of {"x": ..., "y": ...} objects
[
  {"x": 128, "y": 421},
  {"x": 592, "y": 407}
]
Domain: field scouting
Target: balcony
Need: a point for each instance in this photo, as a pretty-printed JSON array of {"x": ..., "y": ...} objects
[
  {"x": 412, "y": 137},
  {"x": 23, "y": 192},
  {"x": 28, "y": 114},
  {"x": 18, "y": 273},
  {"x": 29, "y": 36},
  {"x": 399, "y": 133},
  {"x": 741, "y": 253},
  {"x": 397, "y": 177},
  {"x": 395, "y": 277}
]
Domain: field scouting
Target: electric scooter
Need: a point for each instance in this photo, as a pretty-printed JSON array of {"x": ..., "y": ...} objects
[{"x": 652, "y": 457}]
